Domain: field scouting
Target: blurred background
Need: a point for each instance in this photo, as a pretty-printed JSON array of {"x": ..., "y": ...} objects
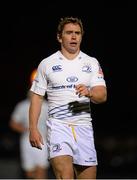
[{"x": 28, "y": 34}]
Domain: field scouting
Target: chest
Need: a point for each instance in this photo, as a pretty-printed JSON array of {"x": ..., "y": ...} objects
[{"x": 69, "y": 73}]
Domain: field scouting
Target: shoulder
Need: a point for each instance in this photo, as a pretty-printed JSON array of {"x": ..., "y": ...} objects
[
  {"x": 49, "y": 59},
  {"x": 48, "y": 62},
  {"x": 88, "y": 58},
  {"x": 20, "y": 104},
  {"x": 24, "y": 102}
]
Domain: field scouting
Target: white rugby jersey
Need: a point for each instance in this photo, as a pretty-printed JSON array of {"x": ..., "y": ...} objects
[{"x": 59, "y": 76}]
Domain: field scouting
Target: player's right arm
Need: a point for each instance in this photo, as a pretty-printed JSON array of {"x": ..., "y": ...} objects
[{"x": 34, "y": 113}]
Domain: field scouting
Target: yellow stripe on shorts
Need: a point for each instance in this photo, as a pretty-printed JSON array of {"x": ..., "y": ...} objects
[{"x": 73, "y": 132}]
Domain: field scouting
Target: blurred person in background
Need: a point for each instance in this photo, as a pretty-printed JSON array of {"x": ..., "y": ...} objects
[{"x": 34, "y": 162}]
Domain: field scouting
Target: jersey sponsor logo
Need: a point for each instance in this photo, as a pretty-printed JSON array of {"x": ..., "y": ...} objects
[
  {"x": 87, "y": 69},
  {"x": 57, "y": 68},
  {"x": 72, "y": 79},
  {"x": 69, "y": 86}
]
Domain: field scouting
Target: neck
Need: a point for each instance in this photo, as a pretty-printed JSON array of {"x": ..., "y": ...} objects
[{"x": 68, "y": 55}]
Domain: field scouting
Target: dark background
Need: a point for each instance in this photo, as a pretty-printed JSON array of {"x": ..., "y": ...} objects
[{"x": 28, "y": 34}]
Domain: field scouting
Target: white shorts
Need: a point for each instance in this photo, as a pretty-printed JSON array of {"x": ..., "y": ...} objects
[
  {"x": 32, "y": 157},
  {"x": 76, "y": 141}
]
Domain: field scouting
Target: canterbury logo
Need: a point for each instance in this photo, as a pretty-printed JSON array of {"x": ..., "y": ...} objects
[{"x": 57, "y": 68}]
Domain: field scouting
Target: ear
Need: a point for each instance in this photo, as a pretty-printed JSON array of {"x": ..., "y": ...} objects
[{"x": 59, "y": 38}]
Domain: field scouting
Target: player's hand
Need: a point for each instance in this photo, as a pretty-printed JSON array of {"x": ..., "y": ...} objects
[
  {"x": 82, "y": 90},
  {"x": 35, "y": 138}
]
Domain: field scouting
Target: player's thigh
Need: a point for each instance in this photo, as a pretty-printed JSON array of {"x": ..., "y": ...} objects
[
  {"x": 62, "y": 165},
  {"x": 85, "y": 172},
  {"x": 40, "y": 172}
]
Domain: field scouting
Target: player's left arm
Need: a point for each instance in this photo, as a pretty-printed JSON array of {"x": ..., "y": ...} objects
[{"x": 97, "y": 94}]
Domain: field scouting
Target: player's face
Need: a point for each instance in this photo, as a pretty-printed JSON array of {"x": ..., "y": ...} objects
[{"x": 71, "y": 38}]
